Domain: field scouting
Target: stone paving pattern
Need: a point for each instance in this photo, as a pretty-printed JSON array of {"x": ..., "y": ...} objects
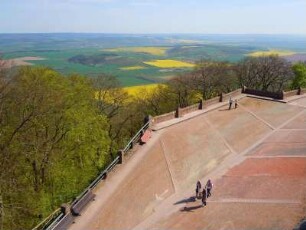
[{"x": 255, "y": 156}]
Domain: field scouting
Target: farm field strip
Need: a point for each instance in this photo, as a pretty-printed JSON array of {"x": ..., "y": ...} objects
[
  {"x": 154, "y": 50},
  {"x": 169, "y": 63},
  {"x": 271, "y": 52},
  {"x": 137, "y": 90},
  {"x": 132, "y": 68}
]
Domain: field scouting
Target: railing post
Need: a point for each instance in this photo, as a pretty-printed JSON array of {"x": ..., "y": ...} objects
[
  {"x": 148, "y": 119},
  {"x": 221, "y": 97},
  {"x": 177, "y": 112},
  {"x": 121, "y": 156},
  {"x": 65, "y": 208},
  {"x": 201, "y": 105}
]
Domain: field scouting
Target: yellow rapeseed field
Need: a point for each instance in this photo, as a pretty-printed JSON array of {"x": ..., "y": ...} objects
[
  {"x": 141, "y": 49},
  {"x": 131, "y": 91},
  {"x": 271, "y": 52},
  {"x": 168, "y": 63},
  {"x": 132, "y": 67},
  {"x": 136, "y": 90}
]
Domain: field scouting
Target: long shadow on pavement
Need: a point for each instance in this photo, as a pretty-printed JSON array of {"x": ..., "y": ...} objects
[
  {"x": 190, "y": 209},
  {"x": 188, "y": 200}
]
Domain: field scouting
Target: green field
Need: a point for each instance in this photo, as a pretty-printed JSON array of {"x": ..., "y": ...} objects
[{"x": 131, "y": 58}]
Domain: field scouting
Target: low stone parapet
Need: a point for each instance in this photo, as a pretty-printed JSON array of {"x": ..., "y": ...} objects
[
  {"x": 189, "y": 109},
  {"x": 291, "y": 93},
  {"x": 198, "y": 106},
  {"x": 226, "y": 97},
  {"x": 211, "y": 101},
  {"x": 164, "y": 117},
  {"x": 274, "y": 95}
]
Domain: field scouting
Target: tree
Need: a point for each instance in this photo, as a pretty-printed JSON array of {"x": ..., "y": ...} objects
[
  {"x": 212, "y": 78},
  {"x": 299, "y": 79},
  {"x": 113, "y": 102},
  {"x": 156, "y": 101},
  {"x": 110, "y": 95},
  {"x": 182, "y": 89},
  {"x": 266, "y": 73},
  {"x": 53, "y": 142}
]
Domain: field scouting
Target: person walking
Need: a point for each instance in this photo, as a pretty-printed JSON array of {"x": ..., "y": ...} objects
[
  {"x": 209, "y": 186},
  {"x": 236, "y": 104},
  {"x": 198, "y": 188},
  {"x": 230, "y": 102},
  {"x": 204, "y": 197}
]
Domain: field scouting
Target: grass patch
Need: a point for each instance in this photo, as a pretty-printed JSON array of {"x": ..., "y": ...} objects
[
  {"x": 159, "y": 51},
  {"x": 132, "y": 68},
  {"x": 169, "y": 64},
  {"x": 271, "y": 52}
]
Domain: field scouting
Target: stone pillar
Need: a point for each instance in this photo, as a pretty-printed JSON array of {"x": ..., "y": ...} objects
[
  {"x": 149, "y": 119},
  {"x": 105, "y": 175},
  {"x": 282, "y": 95},
  {"x": 201, "y": 105},
  {"x": 121, "y": 156},
  {"x": 146, "y": 119},
  {"x": 221, "y": 97},
  {"x": 65, "y": 208},
  {"x": 178, "y": 112}
]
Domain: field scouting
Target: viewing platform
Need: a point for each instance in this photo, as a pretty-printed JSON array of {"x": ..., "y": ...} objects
[{"x": 254, "y": 154}]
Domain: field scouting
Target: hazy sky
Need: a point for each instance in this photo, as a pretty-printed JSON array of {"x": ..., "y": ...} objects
[{"x": 154, "y": 16}]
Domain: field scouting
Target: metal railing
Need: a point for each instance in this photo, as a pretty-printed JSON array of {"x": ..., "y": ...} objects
[
  {"x": 103, "y": 174},
  {"x": 49, "y": 220},
  {"x": 58, "y": 216},
  {"x": 55, "y": 222},
  {"x": 136, "y": 138}
]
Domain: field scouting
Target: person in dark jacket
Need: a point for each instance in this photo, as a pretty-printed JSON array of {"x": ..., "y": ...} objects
[
  {"x": 204, "y": 197},
  {"x": 198, "y": 188}
]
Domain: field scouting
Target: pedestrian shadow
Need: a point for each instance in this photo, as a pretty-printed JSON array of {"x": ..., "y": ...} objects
[
  {"x": 226, "y": 109},
  {"x": 188, "y": 200},
  {"x": 190, "y": 209}
]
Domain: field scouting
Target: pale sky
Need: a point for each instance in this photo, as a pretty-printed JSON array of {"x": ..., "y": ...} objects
[{"x": 154, "y": 16}]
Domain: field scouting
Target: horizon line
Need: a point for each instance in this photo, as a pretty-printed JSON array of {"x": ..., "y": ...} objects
[{"x": 162, "y": 33}]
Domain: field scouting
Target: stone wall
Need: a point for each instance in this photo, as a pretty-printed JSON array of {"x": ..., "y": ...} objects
[
  {"x": 202, "y": 104},
  {"x": 188, "y": 109},
  {"x": 291, "y": 93},
  {"x": 164, "y": 117},
  {"x": 226, "y": 97},
  {"x": 211, "y": 101},
  {"x": 275, "y": 95}
]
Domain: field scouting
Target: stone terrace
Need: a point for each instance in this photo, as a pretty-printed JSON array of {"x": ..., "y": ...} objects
[{"x": 255, "y": 156}]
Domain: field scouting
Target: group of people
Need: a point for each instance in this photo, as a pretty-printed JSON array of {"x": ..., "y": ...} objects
[
  {"x": 230, "y": 103},
  {"x": 206, "y": 192}
]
